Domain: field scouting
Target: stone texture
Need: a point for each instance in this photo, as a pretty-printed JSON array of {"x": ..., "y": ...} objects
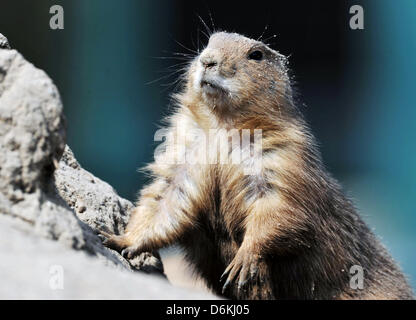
[
  {"x": 94, "y": 201},
  {"x": 97, "y": 204},
  {"x": 32, "y": 139}
]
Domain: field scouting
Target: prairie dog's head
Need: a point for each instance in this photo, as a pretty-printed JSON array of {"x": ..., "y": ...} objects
[{"x": 235, "y": 74}]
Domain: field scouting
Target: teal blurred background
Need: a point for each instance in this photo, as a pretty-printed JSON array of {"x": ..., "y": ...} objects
[{"x": 357, "y": 88}]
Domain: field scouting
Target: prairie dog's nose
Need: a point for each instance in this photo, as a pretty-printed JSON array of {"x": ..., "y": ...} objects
[{"x": 209, "y": 59}]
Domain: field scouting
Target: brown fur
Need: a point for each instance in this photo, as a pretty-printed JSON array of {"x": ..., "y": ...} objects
[{"x": 285, "y": 233}]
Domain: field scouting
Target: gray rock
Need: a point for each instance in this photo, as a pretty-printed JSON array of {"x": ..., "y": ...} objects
[
  {"x": 97, "y": 204},
  {"x": 50, "y": 217},
  {"x": 32, "y": 139},
  {"x": 94, "y": 201}
]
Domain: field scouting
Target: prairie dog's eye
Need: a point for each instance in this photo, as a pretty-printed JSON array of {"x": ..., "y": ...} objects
[{"x": 255, "y": 55}]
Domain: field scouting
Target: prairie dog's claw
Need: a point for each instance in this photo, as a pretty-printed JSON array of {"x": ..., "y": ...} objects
[
  {"x": 243, "y": 267},
  {"x": 130, "y": 252},
  {"x": 113, "y": 241}
]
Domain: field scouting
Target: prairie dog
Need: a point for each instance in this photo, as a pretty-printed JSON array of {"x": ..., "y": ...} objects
[{"x": 284, "y": 231}]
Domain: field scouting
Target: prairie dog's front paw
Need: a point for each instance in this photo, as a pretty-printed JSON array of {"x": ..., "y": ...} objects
[
  {"x": 113, "y": 241},
  {"x": 130, "y": 252},
  {"x": 121, "y": 244}
]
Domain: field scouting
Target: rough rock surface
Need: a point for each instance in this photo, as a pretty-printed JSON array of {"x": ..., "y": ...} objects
[
  {"x": 97, "y": 204},
  {"x": 49, "y": 217}
]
